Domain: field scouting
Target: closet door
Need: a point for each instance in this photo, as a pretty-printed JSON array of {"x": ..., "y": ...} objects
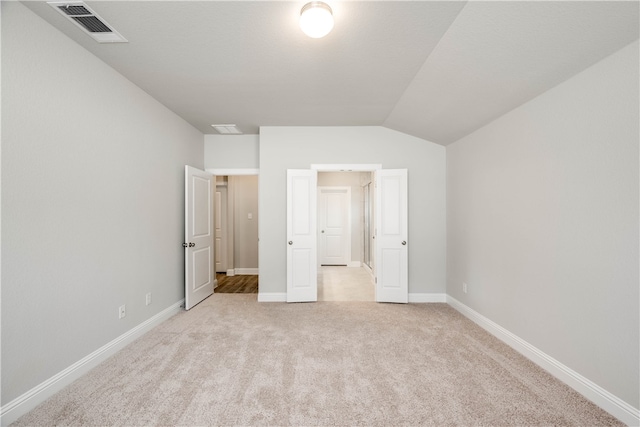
[
  {"x": 392, "y": 247},
  {"x": 302, "y": 270}
]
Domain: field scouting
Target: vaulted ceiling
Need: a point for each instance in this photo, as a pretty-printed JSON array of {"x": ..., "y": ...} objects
[{"x": 437, "y": 70}]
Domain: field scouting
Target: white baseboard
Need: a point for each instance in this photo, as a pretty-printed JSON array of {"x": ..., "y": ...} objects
[
  {"x": 427, "y": 297},
  {"x": 246, "y": 271},
  {"x": 32, "y": 398},
  {"x": 367, "y": 269},
  {"x": 601, "y": 397},
  {"x": 353, "y": 264},
  {"x": 231, "y": 272},
  {"x": 272, "y": 296}
]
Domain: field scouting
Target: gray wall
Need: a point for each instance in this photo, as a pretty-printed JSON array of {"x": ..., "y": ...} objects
[
  {"x": 231, "y": 151},
  {"x": 245, "y": 190},
  {"x": 283, "y": 148},
  {"x": 92, "y": 202},
  {"x": 543, "y": 223}
]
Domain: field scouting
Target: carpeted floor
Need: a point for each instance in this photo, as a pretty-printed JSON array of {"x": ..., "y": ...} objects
[{"x": 234, "y": 361}]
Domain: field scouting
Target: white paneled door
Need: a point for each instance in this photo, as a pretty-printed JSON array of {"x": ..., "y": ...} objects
[
  {"x": 392, "y": 283},
  {"x": 334, "y": 222},
  {"x": 302, "y": 280},
  {"x": 199, "y": 236}
]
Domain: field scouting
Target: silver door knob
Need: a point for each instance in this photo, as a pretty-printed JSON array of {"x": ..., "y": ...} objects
[
  {"x": 322, "y": 231},
  {"x": 184, "y": 245},
  {"x": 191, "y": 245},
  {"x": 290, "y": 242},
  {"x": 404, "y": 243}
]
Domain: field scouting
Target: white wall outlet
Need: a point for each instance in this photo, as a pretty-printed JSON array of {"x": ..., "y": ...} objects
[
  {"x": 122, "y": 311},
  {"x": 464, "y": 288},
  {"x": 148, "y": 299}
]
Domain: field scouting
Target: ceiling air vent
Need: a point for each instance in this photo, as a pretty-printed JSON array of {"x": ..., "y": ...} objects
[
  {"x": 227, "y": 129},
  {"x": 89, "y": 21}
]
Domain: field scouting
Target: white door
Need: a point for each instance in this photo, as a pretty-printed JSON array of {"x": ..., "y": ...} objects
[
  {"x": 334, "y": 222},
  {"x": 199, "y": 233},
  {"x": 221, "y": 228},
  {"x": 392, "y": 284},
  {"x": 302, "y": 279}
]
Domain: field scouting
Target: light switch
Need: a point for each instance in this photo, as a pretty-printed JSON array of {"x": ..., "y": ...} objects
[{"x": 250, "y": 216}]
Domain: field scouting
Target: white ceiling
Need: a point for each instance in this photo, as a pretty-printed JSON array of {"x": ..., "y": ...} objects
[{"x": 434, "y": 69}]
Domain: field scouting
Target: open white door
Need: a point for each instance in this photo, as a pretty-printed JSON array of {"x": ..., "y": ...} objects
[
  {"x": 302, "y": 272},
  {"x": 199, "y": 266},
  {"x": 392, "y": 276}
]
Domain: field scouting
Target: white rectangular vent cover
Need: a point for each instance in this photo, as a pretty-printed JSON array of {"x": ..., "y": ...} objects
[
  {"x": 227, "y": 129},
  {"x": 88, "y": 21}
]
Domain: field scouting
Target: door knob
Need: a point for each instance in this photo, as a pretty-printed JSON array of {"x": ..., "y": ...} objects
[
  {"x": 290, "y": 242},
  {"x": 184, "y": 245},
  {"x": 404, "y": 243},
  {"x": 322, "y": 231},
  {"x": 191, "y": 245}
]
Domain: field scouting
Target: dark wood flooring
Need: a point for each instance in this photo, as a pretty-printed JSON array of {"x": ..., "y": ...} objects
[{"x": 236, "y": 284}]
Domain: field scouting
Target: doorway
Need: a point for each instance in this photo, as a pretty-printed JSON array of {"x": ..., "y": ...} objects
[
  {"x": 236, "y": 233},
  {"x": 390, "y": 264},
  {"x": 341, "y": 237}
]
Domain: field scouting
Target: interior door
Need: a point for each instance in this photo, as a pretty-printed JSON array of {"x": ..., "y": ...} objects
[
  {"x": 302, "y": 271},
  {"x": 199, "y": 235},
  {"x": 392, "y": 283},
  {"x": 334, "y": 222}
]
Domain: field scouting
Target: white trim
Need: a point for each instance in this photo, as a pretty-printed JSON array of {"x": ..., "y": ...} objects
[
  {"x": 346, "y": 167},
  {"x": 601, "y": 397},
  {"x": 354, "y": 264},
  {"x": 246, "y": 271},
  {"x": 272, "y": 297},
  {"x": 226, "y": 172},
  {"x": 231, "y": 272},
  {"x": 420, "y": 298},
  {"x": 367, "y": 269},
  {"x": 32, "y": 398}
]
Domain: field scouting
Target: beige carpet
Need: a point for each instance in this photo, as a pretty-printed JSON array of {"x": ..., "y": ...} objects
[{"x": 233, "y": 361}]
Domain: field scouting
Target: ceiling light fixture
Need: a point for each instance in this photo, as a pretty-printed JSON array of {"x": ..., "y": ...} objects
[{"x": 316, "y": 19}]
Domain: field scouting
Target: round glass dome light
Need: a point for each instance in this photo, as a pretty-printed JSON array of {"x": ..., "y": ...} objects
[{"x": 316, "y": 19}]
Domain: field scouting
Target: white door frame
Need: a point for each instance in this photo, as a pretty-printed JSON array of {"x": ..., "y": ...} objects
[
  {"x": 349, "y": 167},
  {"x": 230, "y": 207},
  {"x": 222, "y": 224}
]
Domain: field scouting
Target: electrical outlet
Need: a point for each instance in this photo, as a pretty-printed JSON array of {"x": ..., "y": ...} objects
[
  {"x": 464, "y": 288},
  {"x": 148, "y": 300},
  {"x": 122, "y": 311}
]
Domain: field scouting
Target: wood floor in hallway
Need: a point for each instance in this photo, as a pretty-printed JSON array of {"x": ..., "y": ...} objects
[{"x": 242, "y": 284}]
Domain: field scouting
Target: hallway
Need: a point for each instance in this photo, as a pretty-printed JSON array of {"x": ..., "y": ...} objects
[{"x": 338, "y": 283}]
